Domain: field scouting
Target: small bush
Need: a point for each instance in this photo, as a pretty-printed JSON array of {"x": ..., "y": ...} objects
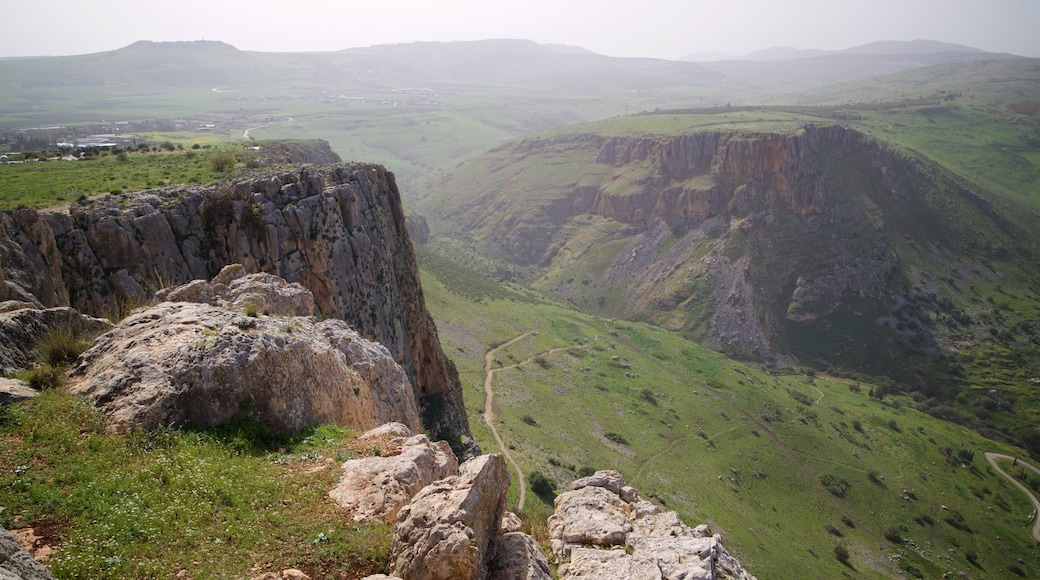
[
  {"x": 833, "y": 530},
  {"x": 841, "y": 553},
  {"x": 848, "y": 521},
  {"x": 837, "y": 486},
  {"x": 42, "y": 377},
  {"x": 894, "y": 534},
  {"x": 529, "y": 420},
  {"x": 222, "y": 162},
  {"x": 616, "y": 438},
  {"x": 61, "y": 347},
  {"x": 541, "y": 485}
]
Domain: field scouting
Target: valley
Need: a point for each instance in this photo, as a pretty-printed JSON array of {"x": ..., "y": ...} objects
[{"x": 797, "y": 300}]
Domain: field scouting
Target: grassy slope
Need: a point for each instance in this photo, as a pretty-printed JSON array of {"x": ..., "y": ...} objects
[
  {"x": 704, "y": 437},
  {"x": 224, "y": 504}
]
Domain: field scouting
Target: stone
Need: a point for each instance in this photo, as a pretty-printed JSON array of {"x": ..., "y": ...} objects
[
  {"x": 510, "y": 523},
  {"x": 22, "y": 329},
  {"x": 518, "y": 557},
  {"x": 186, "y": 363},
  {"x": 376, "y": 488},
  {"x": 448, "y": 530},
  {"x": 16, "y": 563},
  {"x": 590, "y": 515},
  {"x": 601, "y": 529},
  {"x": 389, "y": 430},
  {"x": 262, "y": 293},
  {"x": 13, "y": 390}
]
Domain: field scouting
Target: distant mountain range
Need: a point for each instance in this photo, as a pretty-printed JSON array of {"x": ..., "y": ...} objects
[{"x": 881, "y": 48}]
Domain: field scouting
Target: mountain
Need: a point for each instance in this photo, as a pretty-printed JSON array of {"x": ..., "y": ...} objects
[{"x": 881, "y": 48}]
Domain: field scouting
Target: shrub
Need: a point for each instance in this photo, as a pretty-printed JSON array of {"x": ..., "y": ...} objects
[
  {"x": 894, "y": 534},
  {"x": 541, "y": 485},
  {"x": 42, "y": 377},
  {"x": 222, "y": 162},
  {"x": 529, "y": 420},
  {"x": 837, "y": 486},
  {"x": 61, "y": 347},
  {"x": 833, "y": 530},
  {"x": 616, "y": 438},
  {"x": 841, "y": 553}
]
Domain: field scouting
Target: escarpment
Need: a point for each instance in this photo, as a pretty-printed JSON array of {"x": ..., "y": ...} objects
[
  {"x": 764, "y": 245},
  {"x": 338, "y": 230}
]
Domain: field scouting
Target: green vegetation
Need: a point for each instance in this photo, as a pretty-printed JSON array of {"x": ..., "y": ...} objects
[
  {"x": 48, "y": 183},
  {"x": 228, "y": 503},
  {"x": 727, "y": 444}
]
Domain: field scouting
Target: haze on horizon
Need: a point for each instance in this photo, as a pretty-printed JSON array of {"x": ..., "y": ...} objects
[{"x": 667, "y": 29}]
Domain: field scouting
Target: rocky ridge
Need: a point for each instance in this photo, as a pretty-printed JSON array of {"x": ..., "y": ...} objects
[
  {"x": 767, "y": 246},
  {"x": 339, "y": 231},
  {"x": 241, "y": 344}
]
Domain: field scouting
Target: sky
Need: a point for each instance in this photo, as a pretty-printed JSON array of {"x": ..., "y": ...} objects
[{"x": 636, "y": 28}]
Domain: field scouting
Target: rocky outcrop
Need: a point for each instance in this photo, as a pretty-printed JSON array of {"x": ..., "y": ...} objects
[
  {"x": 14, "y": 390},
  {"x": 23, "y": 328},
  {"x": 447, "y": 531},
  {"x": 16, "y": 563},
  {"x": 337, "y": 230},
  {"x": 376, "y": 488},
  {"x": 601, "y": 529},
  {"x": 199, "y": 364}
]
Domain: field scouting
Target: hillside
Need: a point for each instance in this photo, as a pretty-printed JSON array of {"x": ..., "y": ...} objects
[
  {"x": 786, "y": 465},
  {"x": 780, "y": 242}
]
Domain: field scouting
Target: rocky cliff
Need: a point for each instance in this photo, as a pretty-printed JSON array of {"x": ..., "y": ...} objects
[
  {"x": 816, "y": 243},
  {"x": 337, "y": 230}
]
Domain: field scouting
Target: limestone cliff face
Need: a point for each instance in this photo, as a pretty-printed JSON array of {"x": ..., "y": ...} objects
[
  {"x": 763, "y": 245},
  {"x": 337, "y": 230}
]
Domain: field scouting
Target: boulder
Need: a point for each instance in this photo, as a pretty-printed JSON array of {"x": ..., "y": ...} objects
[
  {"x": 21, "y": 330},
  {"x": 448, "y": 530},
  {"x": 376, "y": 488},
  {"x": 232, "y": 289},
  {"x": 16, "y": 563},
  {"x": 518, "y": 557},
  {"x": 13, "y": 390},
  {"x": 188, "y": 363},
  {"x": 601, "y": 529}
]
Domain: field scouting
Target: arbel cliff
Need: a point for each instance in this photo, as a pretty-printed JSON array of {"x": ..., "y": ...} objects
[{"x": 337, "y": 230}]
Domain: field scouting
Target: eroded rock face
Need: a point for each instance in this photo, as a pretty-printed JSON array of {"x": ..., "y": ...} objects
[
  {"x": 22, "y": 328},
  {"x": 376, "y": 488},
  {"x": 16, "y": 563},
  {"x": 448, "y": 530},
  {"x": 188, "y": 363},
  {"x": 601, "y": 529},
  {"x": 337, "y": 230}
]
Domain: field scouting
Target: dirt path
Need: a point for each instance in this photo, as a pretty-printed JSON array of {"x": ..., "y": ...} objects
[
  {"x": 245, "y": 134},
  {"x": 992, "y": 457},
  {"x": 489, "y": 411}
]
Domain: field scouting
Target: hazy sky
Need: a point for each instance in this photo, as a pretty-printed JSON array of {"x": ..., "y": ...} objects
[{"x": 648, "y": 28}]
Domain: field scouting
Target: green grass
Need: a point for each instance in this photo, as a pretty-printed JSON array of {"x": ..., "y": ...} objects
[
  {"x": 733, "y": 445},
  {"x": 42, "y": 184},
  {"x": 228, "y": 503}
]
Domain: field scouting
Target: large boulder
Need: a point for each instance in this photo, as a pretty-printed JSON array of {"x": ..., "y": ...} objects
[
  {"x": 191, "y": 363},
  {"x": 22, "y": 326},
  {"x": 16, "y": 563},
  {"x": 601, "y": 529},
  {"x": 376, "y": 488},
  {"x": 518, "y": 557},
  {"x": 449, "y": 529}
]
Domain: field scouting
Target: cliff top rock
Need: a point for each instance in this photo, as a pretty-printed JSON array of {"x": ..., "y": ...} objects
[
  {"x": 601, "y": 529},
  {"x": 189, "y": 363}
]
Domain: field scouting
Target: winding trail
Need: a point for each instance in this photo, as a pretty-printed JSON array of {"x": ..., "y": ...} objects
[
  {"x": 489, "y": 411},
  {"x": 992, "y": 458},
  {"x": 245, "y": 134}
]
